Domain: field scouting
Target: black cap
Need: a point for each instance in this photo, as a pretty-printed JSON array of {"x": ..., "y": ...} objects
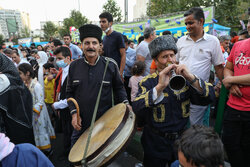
[{"x": 90, "y": 30}]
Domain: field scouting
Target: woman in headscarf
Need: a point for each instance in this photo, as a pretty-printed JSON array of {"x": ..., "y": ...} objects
[
  {"x": 41, "y": 58},
  {"x": 42, "y": 127},
  {"x": 15, "y": 104}
]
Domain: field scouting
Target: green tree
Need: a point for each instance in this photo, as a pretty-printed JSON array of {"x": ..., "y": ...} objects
[
  {"x": 50, "y": 30},
  {"x": 112, "y": 7},
  {"x": 1, "y": 39},
  {"x": 75, "y": 19},
  {"x": 227, "y": 12},
  {"x": 159, "y": 7},
  {"x": 25, "y": 32}
]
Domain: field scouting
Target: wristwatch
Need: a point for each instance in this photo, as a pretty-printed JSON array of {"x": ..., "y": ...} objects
[{"x": 195, "y": 79}]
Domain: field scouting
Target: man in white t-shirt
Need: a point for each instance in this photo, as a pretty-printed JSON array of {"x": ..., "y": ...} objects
[
  {"x": 142, "y": 51},
  {"x": 199, "y": 51}
]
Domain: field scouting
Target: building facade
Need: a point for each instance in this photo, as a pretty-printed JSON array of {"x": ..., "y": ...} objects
[
  {"x": 140, "y": 8},
  {"x": 10, "y": 23}
]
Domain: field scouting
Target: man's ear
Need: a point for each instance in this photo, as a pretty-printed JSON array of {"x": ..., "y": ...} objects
[
  {"x": 202, "y": 21},
  {"x": 28, "y": 73},
  {"x": 68, "y": 58},
  {"x": 110, "y": 23}
]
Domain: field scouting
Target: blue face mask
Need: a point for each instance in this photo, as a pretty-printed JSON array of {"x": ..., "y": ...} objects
[{"x": 61, "y": 64}]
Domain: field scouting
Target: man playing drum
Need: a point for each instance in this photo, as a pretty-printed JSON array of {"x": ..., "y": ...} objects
[
  {"x": 165, "y": 111},
  {"x": 85, "y": 78}
]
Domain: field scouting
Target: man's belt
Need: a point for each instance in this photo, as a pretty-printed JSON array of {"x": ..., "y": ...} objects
[{"x": 167, "y": 135}]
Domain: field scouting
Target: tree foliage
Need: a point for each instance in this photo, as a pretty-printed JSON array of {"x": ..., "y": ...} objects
[
  {"x": 1, "y": 39},
  {"x": 50, "y": 30},
  {"x": 75, "y": 19},
  {"x": 227, "y": 12},
  {"x": 112, "y": 7},
  {"x": 25, "y": 32}
]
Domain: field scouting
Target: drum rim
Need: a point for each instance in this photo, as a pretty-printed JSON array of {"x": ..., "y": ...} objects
[{"x": 111, "y": 138}]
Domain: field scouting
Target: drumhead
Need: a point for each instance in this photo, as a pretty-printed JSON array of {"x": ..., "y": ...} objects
[{"x": 106, "y": 129}]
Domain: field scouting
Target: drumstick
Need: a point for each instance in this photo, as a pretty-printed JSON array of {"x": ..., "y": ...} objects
[{"x": 77, "y": 108}]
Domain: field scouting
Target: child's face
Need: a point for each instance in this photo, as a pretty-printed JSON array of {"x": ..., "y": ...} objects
[
  {"x": 46, "y": 71},
  {"x": 23, "y": 76}
]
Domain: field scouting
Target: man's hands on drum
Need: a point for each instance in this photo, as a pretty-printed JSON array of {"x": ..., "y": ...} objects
[{"x": 76, "y": 123}]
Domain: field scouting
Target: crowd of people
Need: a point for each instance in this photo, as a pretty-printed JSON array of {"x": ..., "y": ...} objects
[{"x": 36, "y": 81}]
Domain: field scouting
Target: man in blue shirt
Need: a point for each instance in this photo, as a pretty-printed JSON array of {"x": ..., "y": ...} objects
[
  {"x": 130, "y": 59},
  {"x": 75, "y": 50}
]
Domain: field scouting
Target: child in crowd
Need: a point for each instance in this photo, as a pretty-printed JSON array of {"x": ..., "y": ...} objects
[
  {"x": 49, "y": 83},
  {"x": 137, "y": 71},
  {"x": 42, "y": 127}
]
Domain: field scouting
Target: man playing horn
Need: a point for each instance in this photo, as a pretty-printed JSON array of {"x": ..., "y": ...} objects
[{"x": 165, "y": 111}]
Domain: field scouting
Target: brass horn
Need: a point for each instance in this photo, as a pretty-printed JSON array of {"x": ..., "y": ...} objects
[{"x": 176, "y": 82}]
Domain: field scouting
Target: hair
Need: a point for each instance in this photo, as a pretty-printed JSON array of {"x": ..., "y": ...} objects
[
  {"x": 197, "y": 12},
  {"x": 141, "y": 38},
  {"x": 106, "y": 15},
  {"x": 244, "y": 32},
  {"x": 67, "y": 35},
  {"x": 41, "y": 47},
  {"x": 47, "y": 66},
  {"x": 166, "y": 32},
  {"x": 34, "y": 51},
  {"x": 16, "y": 52},
  {"x": 25, "y": 50},
  {"x": 138, "y": 68},
  {"x": 125, "y": 38},
  {"x": 64, "y": 50},
  {"x": 202, "y": 146},
  {"x": 51, "y": 59},
  {"x": 57, "y": 42},
  {"x": 224, "y": 38},
  {"x": 7, "y": 51},
  {"x": 25, "y": 67},
  {"x": 46, "y": 48},
  {"x": 148, "y": 31},
  {"x": 130, "y": 41},
  {"x": 233, "y": 34}
]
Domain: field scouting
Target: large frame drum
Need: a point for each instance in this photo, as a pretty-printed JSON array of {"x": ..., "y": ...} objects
[{"x": 110, "y": 134}]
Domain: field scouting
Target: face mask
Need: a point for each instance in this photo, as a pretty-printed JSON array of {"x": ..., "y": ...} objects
[
  {"x": 38, "y": 61},
  {"x": 61, "y": 64},
  {"x": 107, "y": 30}
]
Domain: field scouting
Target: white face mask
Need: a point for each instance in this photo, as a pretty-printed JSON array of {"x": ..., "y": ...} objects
[
  {"x": 107, "y": 30},
  {"x": 38, "y": 61}
]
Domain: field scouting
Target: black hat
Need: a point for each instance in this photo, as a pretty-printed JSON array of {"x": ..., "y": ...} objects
[
  {"x": 165, "y": 42},
  {"x": 90, "y": 30}
]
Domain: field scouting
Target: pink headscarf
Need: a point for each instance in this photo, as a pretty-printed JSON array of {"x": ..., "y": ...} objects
[{"x": 6, "y": 147}]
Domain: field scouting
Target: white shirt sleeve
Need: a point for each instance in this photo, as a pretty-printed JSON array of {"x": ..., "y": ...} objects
[
  {"x": 62, "y": 104},
  {"x": 4, "y": 82},
  {"x": 157, "y": 99}
]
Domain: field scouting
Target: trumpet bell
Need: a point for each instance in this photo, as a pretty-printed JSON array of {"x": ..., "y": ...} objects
[{"x": 177, "y": 82}]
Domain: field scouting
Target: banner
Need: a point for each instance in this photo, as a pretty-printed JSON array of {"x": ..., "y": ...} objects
[
  {"x": 162, "y": 23},
  {"x": 24, "y": 40}
]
